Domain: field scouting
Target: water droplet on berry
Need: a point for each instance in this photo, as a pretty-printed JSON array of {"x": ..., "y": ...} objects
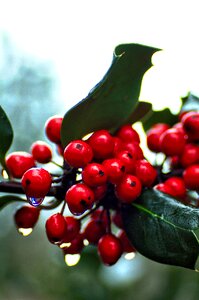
[
  {"x": 25, "y": 231},
  {"x": 129, "y": 256},
  {"x": 35, "y": 201},
  {"x": 72, "y": 259}
]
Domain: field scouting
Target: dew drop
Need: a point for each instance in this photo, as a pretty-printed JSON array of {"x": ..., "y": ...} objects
[
  {"x": 35, "y": 201},
  {"x": 129, "y": 256},
  {"x": 72, "y": 259},
  {"x": 25, "y": 231}
]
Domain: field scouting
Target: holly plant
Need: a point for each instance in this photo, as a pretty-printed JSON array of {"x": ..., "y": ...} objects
[{"x": 106, "y": 192}]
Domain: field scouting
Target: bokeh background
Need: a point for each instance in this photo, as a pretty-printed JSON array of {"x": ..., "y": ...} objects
[{"x": 51, "y": 54}]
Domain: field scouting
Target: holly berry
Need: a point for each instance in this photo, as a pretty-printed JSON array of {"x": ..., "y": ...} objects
[
  {"x": 75, "y": 246},
  {"x": 115, "y": 169},
  {"x": 117, "y": 219},
  {"x": 128, "y": 160},
  {"x": 126, "y": 244},
  {"x": 79, "y": 198},
  {"x": 172, "y": 142},
  {"x": 134, "y": 149},
  {"x": 191, "y": 125},
  {"x": 99, "y": 191},
  {"x": 36, "y": 182},
  {"x": 109, "y": 249},
  {"x": 73, "y": 229},
  {"x": 163, "y": 188},
  {"x": 56, "y": 227},
  {"x": 102, "y": 144},
  {"x": 128, "y": 189},
  {"x": 127, "y": 134},
  {"x": 191, "y": 177},
  {"x": 190, "y": 155},
  {"x": 19, "y": 162},
  {"x": 78, "y": 153},
  {"x": 94, "y": 230},
  {"x": 176, "y": 187},
  {"x": 26, "y": 217},
  {"x": 94, "y": 174},
  {"x": 145, "y": 172},
  {"x": 41, "y": 152},
  {"x": 153, "y": 136},
  {"x": 53, "y": 129}
]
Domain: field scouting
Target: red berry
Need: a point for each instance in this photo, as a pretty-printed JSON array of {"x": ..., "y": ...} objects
[
  {"x": 128, "y": 160},
  {"x": 109, "y": 249},
  {"x": 145, "y": 172},
  {"x": 102, "y": 144},
  {"x": 99, "y": 191},
  {"x": 115, "y": 169},
  {"x": 94, "y": 174},
  {"x": 176, "y": 187},
  {"x": 75, "y": 246},
  {"x": 134, "y": 149},
  {"x": 191, "y": 125},
  {"x": 53, "y": 129},
  {"x": 190, "y": 155},
  {"x": 126, "y": 244},
  {"x": 26, "y": 217},
  {"x": 163, "y": 188},
  {"x": 56, "y": 227},
  {"x": 18, "y": 163},
  {"x": 78, "y": 154},
  {"x": 128, "y": 189},
  {"x": 73, "y": 229},
  {"x": 79, "y": 198},
  {"x": 127, "y": 134},
  {"x": 93, "y": 231},
  {"x": 191, "y": 177},
  {"x": 153, "y": 136},
  {"x": 41, "y": 152},
  {"x": 118, "y": 145},
  {"x": 100, "y": 215},
  {"x": 172, "y": 142},
  {"x": 36, "y": 182},
  {"x": 117, "y": 219}
]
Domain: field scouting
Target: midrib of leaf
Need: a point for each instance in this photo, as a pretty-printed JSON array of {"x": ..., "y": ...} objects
[{"x": 141, "y": 208}]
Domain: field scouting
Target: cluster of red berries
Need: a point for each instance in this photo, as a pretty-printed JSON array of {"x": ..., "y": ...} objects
[
  {"x": 101, "y": 174},
  {"x": 180, "y": 146}
]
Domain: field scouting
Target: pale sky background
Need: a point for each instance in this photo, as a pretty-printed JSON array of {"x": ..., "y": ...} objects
[{"x": 78, "y": 38}]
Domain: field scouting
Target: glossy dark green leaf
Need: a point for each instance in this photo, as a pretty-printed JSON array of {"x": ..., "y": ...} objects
[
  {"x": 6, "y": 135},
  {"x": 142, "y": 110},
  {"x": 112, "y": 101},
  {"x": 190, "y": 102},
  {"x": 161, "y": 116},
  {"x": 8, "y": 199},
  {"x": 162, "y": 229}
]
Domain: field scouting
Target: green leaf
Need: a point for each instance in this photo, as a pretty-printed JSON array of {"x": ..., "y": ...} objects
[
  {"x": 6, "y": 135},
  {"x": 162, "y": 229},
  {"x": 190, "y": 102},
  {"x": 142, "y": 111},
  {"x": 5, "y": 200},
  {"x": 160, "y": 116},
  {"x": 112, "y": 101}
]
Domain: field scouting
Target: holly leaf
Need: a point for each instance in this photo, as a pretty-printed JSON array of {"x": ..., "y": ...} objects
[
  {"x": 163, "y": 229},
  {"x": 141, "y": 111},
  {"x": 190, "y": 102},
  {"x": 8, "y": 199},
  {"x": 6, "y": 135},
  {"x": 111, "y": 102},
  {"x": 160, "y": 116}
]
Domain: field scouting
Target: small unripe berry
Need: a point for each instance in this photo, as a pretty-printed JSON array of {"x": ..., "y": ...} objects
[
  {"x": 41, "y": 152},
  {"x": 53, "y": 129},
  {"x": 79, "y": 198},
  {"x": 102, "y": 144},
  {"x": 78, "y": 154},
  {"x": 36, "y": 182},
  {"x": 26, "y": 217},
  {"x": 55, "y": 228},
  {"x": 109, "y": 249},
  {"x": 94, "y": 174},
  {"x": 129, "y": 189},
  {"x": 19, "y": 162}
]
